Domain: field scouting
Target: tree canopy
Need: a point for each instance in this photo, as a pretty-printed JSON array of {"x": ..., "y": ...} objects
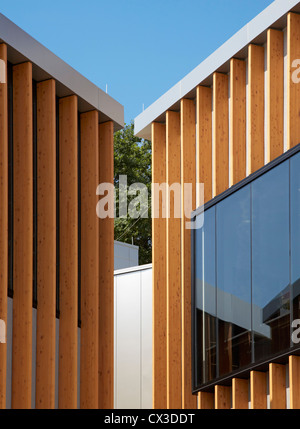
[{"x": 132, "y": 158}]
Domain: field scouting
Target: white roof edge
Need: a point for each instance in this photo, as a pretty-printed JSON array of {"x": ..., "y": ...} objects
[
  {"x": 42, "y": 57},
  {"x": 131, "y": 246},
  {"x": 259, "y": 24},
  {"x": 132, "y": 269}
]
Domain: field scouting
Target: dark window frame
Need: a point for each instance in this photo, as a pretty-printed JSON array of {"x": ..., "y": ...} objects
[{"x": 261, "y": 365}]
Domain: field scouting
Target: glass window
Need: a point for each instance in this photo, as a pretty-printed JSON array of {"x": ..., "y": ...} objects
[
  {"x": 234, "y": 281},
  {"x": 295, "y": 234},
  {"x": 270, "y": 262},
  {"x": 205, "y": 299}
]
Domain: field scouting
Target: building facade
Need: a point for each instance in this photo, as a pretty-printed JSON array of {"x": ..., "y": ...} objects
[
  {"x": 225, "y": 295},
  {"x": 56, "y": 255}
]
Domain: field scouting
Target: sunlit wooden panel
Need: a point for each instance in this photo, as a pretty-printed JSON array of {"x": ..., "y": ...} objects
[
  {"x": 258, "y": 390},
  {"x": 239, "y": 393},
  {"x": 46, "y": 263},
  {"x": 106, "y": 275},
  {"x": 204, "y": 140},
  {"x": 256, "y": 107},
  {"x": 275, "y": 93},
  {"x": 237, "y": 120},
  {"x": 205, "y": 401},
  {"x": 222, "y": 397},
  {"x": 68, "y": 251},
  {"x": 294, "y": 381},
  {"x": 23, "y": 235},
  {"x": 277, "y": 383},
  {"x": 173, "y": 261},
  {"x": 159, "y": 265},
  {"x": 3, "y": 219},
  {"x": 188, "y": 176},
  {"x": 293, "y": 84},
  {"x": 220, "y": 133},
  {"x": 89, "y": 334}
]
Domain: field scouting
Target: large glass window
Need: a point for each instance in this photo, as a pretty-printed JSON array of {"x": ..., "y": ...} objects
[
  {"x": 270, "y": 262},
  {"x": 205, "y": 299},
  {"x": 234, "y": 281},
  {"x": 247, "y": 272},
  {"x": 295, "y": 234}
]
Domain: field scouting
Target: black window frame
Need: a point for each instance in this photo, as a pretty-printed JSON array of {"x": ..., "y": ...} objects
[{"x": 262, "y": 365}]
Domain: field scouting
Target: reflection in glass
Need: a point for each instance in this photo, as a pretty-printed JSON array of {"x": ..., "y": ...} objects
[
  {"x": 295, "y": 234},
  {"x": 234, "y": 281},
  {"x": 270, "y": 262},
  {"x": 205, "y": 298}
]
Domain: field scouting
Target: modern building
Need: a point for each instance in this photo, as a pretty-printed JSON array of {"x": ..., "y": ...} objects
[
  {"x": 226, "y": 294},
  {"x": 133, "y": 338},
  {"x": 125, "y": 255},
  {"x": 56, "y": 255}
]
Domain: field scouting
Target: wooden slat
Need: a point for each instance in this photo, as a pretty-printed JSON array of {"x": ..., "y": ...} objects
[
  {"x": 46, "y": 264},
  {"x": 89, "y": 338},
  {"x": 3, "y": 221},
  {"x": 275, "y": 93},
  {"x": 23, "y": 236},
  {"x": 173, "y": 265},
  {"x": 188, "y": 176},
  {"x": 220, "y": 133},
  {"x": 204, "y": 140},
  {"x": 294, "y": 382},
  {"x": 222, "y": 397},
  {"x": 277, "y": 383},
  {"x": 68, "y": 251},
  {"x": 237, "y": 121},
  {"x": 205, "y": 401},
  {"x": 159, "y": 235},
  {"x": 258, "y": 390},
  {"x": 239, "y": 394},
  {"x": 256, "y": 109},
  {"x": 293, "y": 84},
  {"x": 106, "y": 275}
]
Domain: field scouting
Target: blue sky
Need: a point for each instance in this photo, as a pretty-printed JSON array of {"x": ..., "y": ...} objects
[{"x": 139, "y": 48}]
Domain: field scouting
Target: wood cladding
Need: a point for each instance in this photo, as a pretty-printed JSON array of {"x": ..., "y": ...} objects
[
  {"x": 46, "y": 272},
  {"x": 23, "y": 236},
  {"x": 159, "y": 235},
  {"x": 106, "y": 276},
  {"x": 3, "y": 222}
]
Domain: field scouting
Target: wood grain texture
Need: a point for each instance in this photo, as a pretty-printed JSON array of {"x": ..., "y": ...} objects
[
  {"x": 204, "y": 141},
  {"x": 275, "y": 93},
  {"x": 3, "y": 221},
  {"x": 237, "y": 121},
  {"x": 206, "y": 401},
  {"x": 159, "y": 264},
  {"x": 188, "y": 176},
  {"x": 240, "y": 393},
  {"x": 220, "y": 133},
  {"x": 222, "y": 397},
  {"x": 294, "y": 382},
  {"x": 173, "y": 264},
  {"x": 258, "y": 390},
  {"x": 293, "y": 84},
  {"x": 256, "y": 107},
  {"x": 277, "y": 383},
  {"x": 68, "y": 251},
  {"x": 46, "y": 263},
  {"x": 89, "y": 339},
  {"x": 106, "y": 275},
  {"x": 23, "y": 235}
]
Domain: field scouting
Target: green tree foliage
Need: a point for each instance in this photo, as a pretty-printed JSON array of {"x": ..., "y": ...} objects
[{"x": 132, "y": 157}]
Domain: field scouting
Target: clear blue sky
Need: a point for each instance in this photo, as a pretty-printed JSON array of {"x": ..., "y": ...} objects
[{"x": 139, "y": 48}]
